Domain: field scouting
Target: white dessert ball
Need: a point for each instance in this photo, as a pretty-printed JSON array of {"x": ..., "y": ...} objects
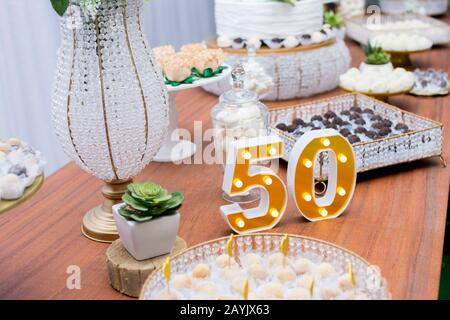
[
  {"x": 285, "y": 274},
  {"x": 298, "y": 294},
  {"x": 317, "y": 37},
  {"x": 379, "y": 86},
  {"x": 271, "y": 290},
  {"x": 224, "y": 42},
  {"x": 357, "y": 295},
  {"x": 11, "y": 186},
  {"x": 237, "y": 284},
  {"x": 14, "y": 142},
  {"x": 325, "y": 270},
  {"x": 207, "y": 288},
  {"x": 171, "y": 294},
  {"x": 251, "y": 259},
  {"x": 291, "y": 42},
  {"x": 345, "y": 283},
  {"x": 224, "y": 261},
  {"x": 180, "y": 281},
  {"x": 230, "y": 273},
  {"x": 227, "y": 297},
  {"x": 305, "y": 281},
  {"x": 276, "y": 259},
  {"x": 329, "y": 293},
  {"x": 363, "y": 86},
  {"x": 254, "y": 42},
  {"x": 201, "y": 271},
  {"x": 258, "y": 271},
  {"x": 302, "y": 266},
  {"x": 353, "y": 72}
]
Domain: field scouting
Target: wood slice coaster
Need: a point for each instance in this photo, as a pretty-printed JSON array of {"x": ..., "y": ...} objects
[{"x": 126, "y": 274}]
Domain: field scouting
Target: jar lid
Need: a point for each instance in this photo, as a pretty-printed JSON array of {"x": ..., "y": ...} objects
[{"x": 238, "y": 95}]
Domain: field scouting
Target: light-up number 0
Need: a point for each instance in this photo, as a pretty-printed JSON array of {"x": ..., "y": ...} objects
[{"x": 240, "y": 177}]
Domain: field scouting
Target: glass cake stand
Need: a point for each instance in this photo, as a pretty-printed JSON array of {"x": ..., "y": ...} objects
[
  {"x": 384, "y": 97},
  {"x": 6, "y": 205},
  {"x": 174, "y": 149}
]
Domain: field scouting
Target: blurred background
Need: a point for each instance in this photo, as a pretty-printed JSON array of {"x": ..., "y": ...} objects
[{"x": 29, "y": 39}]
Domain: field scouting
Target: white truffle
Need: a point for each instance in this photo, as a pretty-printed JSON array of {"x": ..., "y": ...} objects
[
  {"x": 254, "y": 42},
  {"x": 11, "y": 186},
  {"x": 317, "y": 37},
  {"x": 345, "y": 283},
  {"x": 271, "y": 290},
  {"x": 291, "y": 42},
  {"x": 298, "y": 294},
  {"x": 251, "y": 259},
  {"x": 329, "y": 293},
  {"x": 180, "y": 281},
  {"x": 305, "y": 281},
  {"x": 258, "y": 271},
  {"x": 230, "y": 273},
  {"x": 302, "y": 266},
  {"x": 237, "y": 284},
  {"x": 325, "y": 270},
  {"x": 285, "y": 274},
  {"x": 224, "y": 42},
  {"x": 276, "y": 259},
  {"x": 171, "y": 294},
  {"x": 224, "y": 261},
  {"x": 206, "y": 288},
  {"x": 201, "y": 271}
]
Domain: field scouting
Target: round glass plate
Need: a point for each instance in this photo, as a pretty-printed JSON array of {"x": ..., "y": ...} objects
[
  {"x": 6, "y": 205},
  {"x": 368, "y": 277}
]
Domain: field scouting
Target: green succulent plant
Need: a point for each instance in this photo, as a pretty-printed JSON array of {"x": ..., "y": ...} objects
[
  {"x": 376, "y": 55},
  {"x": 336, "y": 21},
  {"x": 147, "y": 201}
]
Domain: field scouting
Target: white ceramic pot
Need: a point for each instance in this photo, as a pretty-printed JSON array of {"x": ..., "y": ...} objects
[
  {"x": 145, "y": 240},
  {"x": 376, "y": 67},
  {"x": 340, "y": 33}
]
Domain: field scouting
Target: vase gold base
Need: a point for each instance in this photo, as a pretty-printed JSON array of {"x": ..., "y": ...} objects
[{"x": 99, "y": 224}]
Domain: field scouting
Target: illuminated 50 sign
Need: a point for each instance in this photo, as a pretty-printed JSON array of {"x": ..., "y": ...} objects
[{"x": 241, "y": 176}]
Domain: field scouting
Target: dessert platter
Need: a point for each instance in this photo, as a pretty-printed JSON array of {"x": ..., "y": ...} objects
[
  {"x": 431, "y": 83},
  {"x": 21, "y": 172},
  {"x": 362, "y": 29},
  {"x": 265, "y": 267},
  {"x": 376, "y": 76},
  {"x": 300, "y": 53},
  {"x": 379, "y": 83},
  {"x": 381, "y": 134},
  {"x": 194, "y": 66},
  {"x": 429, "y": 7}
]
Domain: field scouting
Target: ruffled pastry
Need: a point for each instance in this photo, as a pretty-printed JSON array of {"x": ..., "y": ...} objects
[
  {"x": 178, "y": 68},
  {"x": 193, "y": 48},
  {"x": 162, "y": 54},
  {"x": 205, "y": 60}
]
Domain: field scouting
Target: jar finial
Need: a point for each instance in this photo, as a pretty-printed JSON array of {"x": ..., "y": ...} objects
[{"x": 238, "y": 74}]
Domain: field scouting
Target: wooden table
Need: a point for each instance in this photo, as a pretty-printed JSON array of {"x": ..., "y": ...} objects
[{"x": 396, "y": 220}]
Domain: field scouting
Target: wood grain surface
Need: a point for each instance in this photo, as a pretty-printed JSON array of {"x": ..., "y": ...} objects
[{"x": 396, "y": 220}]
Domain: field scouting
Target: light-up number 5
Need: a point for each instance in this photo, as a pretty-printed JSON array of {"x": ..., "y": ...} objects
[
  {"x": 341, "y": 174},
  {"x": 241, "y": 177}
]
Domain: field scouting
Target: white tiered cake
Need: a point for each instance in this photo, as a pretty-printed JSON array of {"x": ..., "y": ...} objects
[
  {"x": 274, "y": 23},
  {"x": 267, "y": 19},
  {"x": 303, "y": 57}
]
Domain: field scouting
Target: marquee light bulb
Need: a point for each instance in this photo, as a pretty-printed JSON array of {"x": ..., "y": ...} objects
[
  {"x": 307, "y": 197},
  {"x": 238, "y": 183},
  {"x": 341, "y": 191},
  {"x": 240, "y": 223},
  {"x": 272, "y": 151},
  {"x": 342, "y": 158},
  {"x": 307, "y": 163},
  {"x": 274, "y": 213},
  {"x": 247, "y": 155},
  {"x": 267, "y": 180},
  {"x": 326, "y": 142},
  {"x": 323, "y": 212}
]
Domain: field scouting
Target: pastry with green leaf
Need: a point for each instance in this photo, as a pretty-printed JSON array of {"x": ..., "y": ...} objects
[{"x": 147, "y": 201}]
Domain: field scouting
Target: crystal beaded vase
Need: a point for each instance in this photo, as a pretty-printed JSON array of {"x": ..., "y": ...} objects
[{"x": 110, "y": 109}]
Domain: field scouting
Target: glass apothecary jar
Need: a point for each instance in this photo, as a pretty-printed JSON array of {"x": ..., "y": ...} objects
[{"x": 239, "y": 115}]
